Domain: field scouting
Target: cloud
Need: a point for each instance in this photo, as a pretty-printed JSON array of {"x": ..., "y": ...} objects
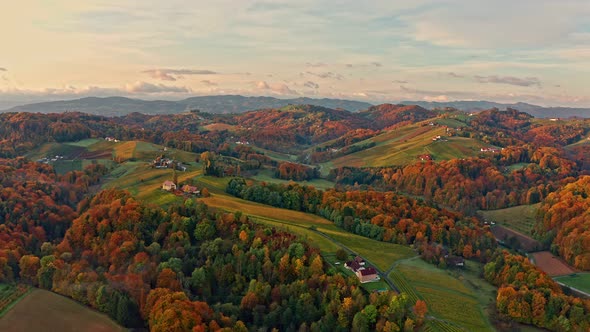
[
  {"x": 328, "y": 74},
  {"x": 455, "y": 75},
  {"x": 277, "y": 88},
  {"x": 311, "y": 85},
  {"x": 486, "y": 24},
  {"x": 175, "y": 74},
  {"x": 316, "y": 64},
  {"x": 400, "y": 82},
  {"x": 3, "y": 69},
  {"x": 148, "y": 88},
  {"x": 511, "y": 80},
  {"x": 209, "y": 83},
  {"x": 376, "y": 64}
]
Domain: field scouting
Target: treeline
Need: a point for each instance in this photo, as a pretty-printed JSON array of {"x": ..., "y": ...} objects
[
  {"x": 296, "y": 172},
  {"x": 472, "y": 184},
  {"x": 383, "y": 216},
  {"x": 564, "y": 223},
  {"x": 527, "y": 295}
]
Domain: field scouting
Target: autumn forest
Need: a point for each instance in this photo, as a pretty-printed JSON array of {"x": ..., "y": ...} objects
[{"x": 258, "y": 221}]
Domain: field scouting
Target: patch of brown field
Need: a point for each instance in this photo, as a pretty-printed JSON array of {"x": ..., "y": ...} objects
[
  {"x": 42, "y": 310},
  {"x": 508, "y": 236},
  {"x": 96, "y": 155},
  {"x": 219, "y": 127},
  {"x": 551, "y": 264}
]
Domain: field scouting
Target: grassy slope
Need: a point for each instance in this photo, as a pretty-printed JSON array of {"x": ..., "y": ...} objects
[
  {"x": 519, "y": 218},
  {"x": 579, "y": 281},
  {"x": 266, "y": 176},
  {"x": 45, "y": 311},
  {"x": 403, "y": 145}
]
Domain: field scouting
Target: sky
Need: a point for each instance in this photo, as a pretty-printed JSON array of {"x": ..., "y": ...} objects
[{"x": 535, "y": 51}]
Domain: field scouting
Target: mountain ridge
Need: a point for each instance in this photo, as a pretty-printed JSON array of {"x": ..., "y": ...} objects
[{"x": 219, "y": 104}]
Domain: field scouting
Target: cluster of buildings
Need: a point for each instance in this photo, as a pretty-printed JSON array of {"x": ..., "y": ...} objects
[
  {"x": 111, "y": 139},
  {"x": 489, "y": 150},
  {"x": 186, "y": 189},
  {"x": 163, "y": 162},
  {"x": 48, "y": 159},
  {"x": 364, "y": 272}
]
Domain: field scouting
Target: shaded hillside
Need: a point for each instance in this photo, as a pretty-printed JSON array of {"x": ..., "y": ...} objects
[
  {"x": 385, "y": 115},
  {"x": 280, "y": 129}
]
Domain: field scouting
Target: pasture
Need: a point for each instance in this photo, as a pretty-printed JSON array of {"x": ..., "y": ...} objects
[
  {"x": 520, "y": 218},
  {"x": 42, "y": 310},
  {"x": 403, "y": 146},
  {"x": 579, "y": 281},
  {"x": 267, "y": 176}
]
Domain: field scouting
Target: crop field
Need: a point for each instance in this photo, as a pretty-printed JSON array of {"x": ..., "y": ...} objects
[
  {"x": 551, "y": 264},
  {"x": 10, "y": 295},
  {"x": 448, "y": 297},
  {"x": 579, "y": 281},
  {"x": 520, "y": 218},
  {"x": 42, "y": 310}
]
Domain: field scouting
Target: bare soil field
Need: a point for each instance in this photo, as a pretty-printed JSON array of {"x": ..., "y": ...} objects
[
  {"x": 42, "y": 310},
  {"x": 551, "y": 264},
  {"x": 515, "y": 239}
]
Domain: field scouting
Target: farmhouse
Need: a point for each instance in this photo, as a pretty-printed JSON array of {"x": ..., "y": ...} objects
[
  {"x": 192, "y": 190},
  {"x": 455, "y": 261},
  {"x": 360, "y": 260},
  {"x": 168, "y": 185},
  {"x": 367, "y": 274},
  {"x": 353, "y": 265}
]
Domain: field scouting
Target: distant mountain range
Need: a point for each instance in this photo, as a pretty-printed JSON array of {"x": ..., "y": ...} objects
[
  {"x": 534, "y": 110},
  {"x": 116, "y": 106}
]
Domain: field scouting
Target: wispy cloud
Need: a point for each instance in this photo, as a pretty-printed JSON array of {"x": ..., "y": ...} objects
[
  {"x": 315, "y": 64},
  {"x": 455, "y": 75},
  {"x": 377, "y": 64},
  {"x": 209, "y": 83},
  {"x": 400, "y": 81},
  {"x": 311, "y": 85},
  {"x": 510, "y": 80},
  {"x": 328, "y": 74},
  {"x": 3, "y": 69},
  {"x": 175, "y": 74}
]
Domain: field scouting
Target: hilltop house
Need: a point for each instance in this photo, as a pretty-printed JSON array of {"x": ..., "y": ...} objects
[
  {"x": 367, "y": 274},
  {"x": 168, "y": 185}
]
